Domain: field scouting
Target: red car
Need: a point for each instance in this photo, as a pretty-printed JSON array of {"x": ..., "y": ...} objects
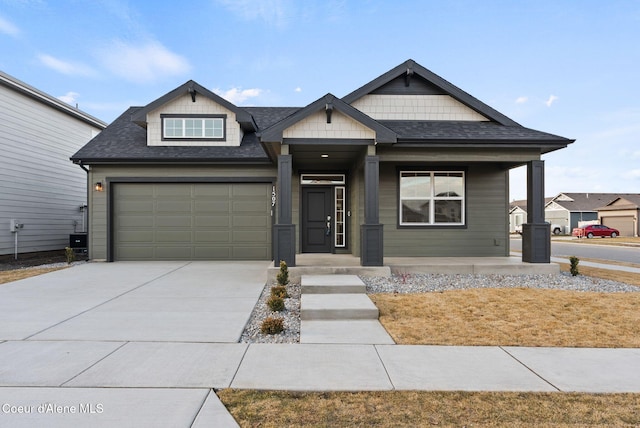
[{"x": 595, "y": 230}]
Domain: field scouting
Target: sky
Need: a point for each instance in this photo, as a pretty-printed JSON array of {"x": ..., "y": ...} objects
[{"x": 567, "y": 67}]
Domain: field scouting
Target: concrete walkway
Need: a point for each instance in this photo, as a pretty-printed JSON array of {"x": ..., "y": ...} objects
[{"x": 146, "y": 345}]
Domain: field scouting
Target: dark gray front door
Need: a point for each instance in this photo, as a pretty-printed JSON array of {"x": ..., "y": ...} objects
[{"x": 317, "y": 211}]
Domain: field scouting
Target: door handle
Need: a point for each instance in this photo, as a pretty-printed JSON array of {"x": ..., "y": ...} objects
[{"x": 328, "y": 231}]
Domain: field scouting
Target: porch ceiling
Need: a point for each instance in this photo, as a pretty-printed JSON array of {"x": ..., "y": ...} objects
[{"x": 310, "y": 156}]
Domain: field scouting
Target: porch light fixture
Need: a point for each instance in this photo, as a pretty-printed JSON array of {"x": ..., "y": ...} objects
[
  {"x": 324, "y": 155},
  {"x": 98, "y": 187}
]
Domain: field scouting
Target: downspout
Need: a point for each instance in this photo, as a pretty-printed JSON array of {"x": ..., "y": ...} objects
[{"x": 86, "y": 213}]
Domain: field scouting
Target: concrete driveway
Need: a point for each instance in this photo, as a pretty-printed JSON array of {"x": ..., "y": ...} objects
[{"x": 105, "y": 344}]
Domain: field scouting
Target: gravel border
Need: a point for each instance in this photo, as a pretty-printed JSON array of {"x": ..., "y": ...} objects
[{"x": 420, "y": 283}]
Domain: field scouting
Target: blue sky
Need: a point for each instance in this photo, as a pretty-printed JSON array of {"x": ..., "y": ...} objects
[{"x": 567, "y": 67}]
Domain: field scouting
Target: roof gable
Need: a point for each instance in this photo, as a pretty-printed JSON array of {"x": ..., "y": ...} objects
[
  {"x": 328, "y": 104},
  {"x": 194, "y": 89},
  {"x": 412, "y": 73},
  {"x": 583, "y": 201}
]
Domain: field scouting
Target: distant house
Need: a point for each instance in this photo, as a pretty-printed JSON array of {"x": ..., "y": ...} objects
[
  {"x": 40, "y": 188},
  {"x": 622, "y": 213},
  {"x": 517, "y": 215},
  {"x": 566, "y": 210}
]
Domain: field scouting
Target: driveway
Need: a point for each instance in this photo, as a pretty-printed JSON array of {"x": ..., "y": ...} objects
[{"x": 106, "y": 344}]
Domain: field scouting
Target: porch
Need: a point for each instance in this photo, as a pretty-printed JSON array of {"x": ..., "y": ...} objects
[{"x": 347, "y": 264}]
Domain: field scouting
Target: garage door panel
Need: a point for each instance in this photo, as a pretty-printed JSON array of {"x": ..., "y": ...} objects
[
  {"x": 623, "y": 223},
  {"x": 136, "y": 236},
  {"x": 214, "y": 237},
  {"x": 250, "y": 221},
  {"x": 188, "y": 221},
  {"x": 213, "y": 221}
]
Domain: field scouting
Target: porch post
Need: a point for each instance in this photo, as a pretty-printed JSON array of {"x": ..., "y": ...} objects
[
  {"x": 284, "y": 233},
  {"x": 371, "y": 244},
  {"x": 536, "y": 233}
]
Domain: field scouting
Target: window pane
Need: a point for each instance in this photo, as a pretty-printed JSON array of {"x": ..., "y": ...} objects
[
  {"x": 173, "y": 128},
  {"x": 448, "y": 184},
  {"x": 415, "y": 185},
  {"x": 193, "y": 128},
  {"x": 218, "y": 131},
  {"x": 416, "y": 211},
  {"x": 448, "y": 211}
]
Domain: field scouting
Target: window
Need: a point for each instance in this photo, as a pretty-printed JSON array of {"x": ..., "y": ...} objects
[
  {"x": 187, "y": 127},
  {"x": 432, "y": 198}
]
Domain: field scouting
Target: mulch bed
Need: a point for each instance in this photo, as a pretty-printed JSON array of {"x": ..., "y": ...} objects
[{"x": 8, "y": 262}]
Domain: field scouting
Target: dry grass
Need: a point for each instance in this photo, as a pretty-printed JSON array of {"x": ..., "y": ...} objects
[
  {"x": 620, "y": 240},
  {"x": 614, "y": 275},
  {"x": 512, "y": 317},
  {"x": 416, "y": 409},
  {"x": 15, "y": 275}
]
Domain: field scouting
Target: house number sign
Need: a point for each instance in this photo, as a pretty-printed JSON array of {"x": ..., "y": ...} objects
[{"x": 273, "y": 196}]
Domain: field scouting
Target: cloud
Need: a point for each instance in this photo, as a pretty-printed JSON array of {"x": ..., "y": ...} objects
[
  {"x": 551, "y": 100},
  {"x": 273, "y": 12},
  {"x": 298, "y": 89},
  {"x": 237, "y": 95},
  {"x": 66, "y": 67},
  {"x": 8, "y": 28},
  {"x": 633, "y": 174},
  {"x": 142, "y": 62},
  {"x": 69, "y": 98},
  {"x": 522, "y": 100}
]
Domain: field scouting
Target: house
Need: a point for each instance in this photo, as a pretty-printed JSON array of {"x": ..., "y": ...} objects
[
  {"x": 406, "y": 165},
  {"x": 622, "y": 213},
  {"x": 42, "y": 195},
  {"x": 566, "y": 210},
  {"x": 517, "y": 215}
]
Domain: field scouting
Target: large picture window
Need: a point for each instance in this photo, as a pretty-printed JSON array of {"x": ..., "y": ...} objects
[
  {"x": 187, "y": 127},
  {"x": 432, "y": 198}
]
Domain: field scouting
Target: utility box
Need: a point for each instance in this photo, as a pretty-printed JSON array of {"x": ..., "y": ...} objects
[
  {"x": 15, "y": 225},
  {"x": 78, "y": 241}
]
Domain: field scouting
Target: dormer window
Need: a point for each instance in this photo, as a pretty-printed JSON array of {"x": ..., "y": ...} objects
[{"x": 194, "y": 127}]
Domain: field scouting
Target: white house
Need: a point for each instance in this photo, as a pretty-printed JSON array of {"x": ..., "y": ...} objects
[{"x": 43, "y": 195}]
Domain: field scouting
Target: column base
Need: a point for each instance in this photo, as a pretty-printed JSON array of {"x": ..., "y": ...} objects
[
  {"x": 536, "y": 243},
  {"x": 371, "y": 245},
  {"x": 284, "y": 244}
]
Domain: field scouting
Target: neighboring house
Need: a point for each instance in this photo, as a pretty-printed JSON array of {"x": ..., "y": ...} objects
[
  {"x": 566, "y": 210},
  {"x": 517, "y": 215},
  {"x": 406, "y": 165},
  {"x": 39, "y": 188},
  {"x": 622, "y": 213}
]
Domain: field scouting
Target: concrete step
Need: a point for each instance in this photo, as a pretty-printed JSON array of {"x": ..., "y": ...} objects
[
  {"x": 337, "y": 307},
  {"x": 332, "y": 284},
  {"x": 351, "y": 331}
]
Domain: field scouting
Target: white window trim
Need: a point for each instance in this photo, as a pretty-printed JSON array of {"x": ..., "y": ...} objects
[
  {"x": 184, "y": 118},
  {"x": 432, "y": 198}
]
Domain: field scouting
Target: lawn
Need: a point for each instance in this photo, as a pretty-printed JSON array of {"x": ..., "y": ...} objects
[
  {"x": 15, "y": 275},
  {"x": 518, "y": 317}
]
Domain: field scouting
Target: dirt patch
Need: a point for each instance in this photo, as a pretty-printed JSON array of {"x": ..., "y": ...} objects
[{"x": 8, "y": 262}]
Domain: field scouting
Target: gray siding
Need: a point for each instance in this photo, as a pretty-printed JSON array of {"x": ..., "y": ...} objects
[
  {"x": 38, "y": 183},
  {"x": 487, "y": 221},
  {"x": 98, "y": 200}
]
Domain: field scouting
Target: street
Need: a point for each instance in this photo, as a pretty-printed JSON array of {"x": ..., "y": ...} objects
[{"x": 589, "y": 251}]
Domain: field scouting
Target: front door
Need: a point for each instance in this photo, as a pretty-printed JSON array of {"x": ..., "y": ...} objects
[{"x": 317, "y": 221}]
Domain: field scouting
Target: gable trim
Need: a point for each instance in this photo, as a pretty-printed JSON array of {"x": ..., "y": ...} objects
[
  {"x": 192, "y": 88},
  {"x": 411, "y": 68},
  {"x": 329, "y": 103}
]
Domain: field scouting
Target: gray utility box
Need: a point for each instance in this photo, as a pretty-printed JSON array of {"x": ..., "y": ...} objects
[{"x": 78, "y": 240}]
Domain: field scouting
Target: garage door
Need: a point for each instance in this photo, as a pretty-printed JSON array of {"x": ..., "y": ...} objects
[
  {"x": 189, "y": 221},
  {"x": 623, "y": 224}
]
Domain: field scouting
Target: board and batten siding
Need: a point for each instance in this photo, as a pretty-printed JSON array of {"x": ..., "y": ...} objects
[
  {"x": 98, "y": 200},
  {"x": 39, "y": 185},
  {"x": 487, "y": 224}
]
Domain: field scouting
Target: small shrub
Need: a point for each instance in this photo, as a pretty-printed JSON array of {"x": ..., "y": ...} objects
[
  {"x": 283, "y": 275},
  {"x": 276, "y": 304},
  {"x": 272, "y": 325},
  {"x": 279, "y": 291},
  {"x": 573, "y": 260},
  {"x": 69, "y": 254}
]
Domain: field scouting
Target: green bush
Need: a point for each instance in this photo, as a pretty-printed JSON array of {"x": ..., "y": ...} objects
[
  {"x": 276, "y": 304},
  {"x": 69, "y": 254},
  {"x": 283, "y": 275},
  {"x": 279, "y": 291},
  {"x": 573, "y": 260},
  {"x": 272, "y": 325}
]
